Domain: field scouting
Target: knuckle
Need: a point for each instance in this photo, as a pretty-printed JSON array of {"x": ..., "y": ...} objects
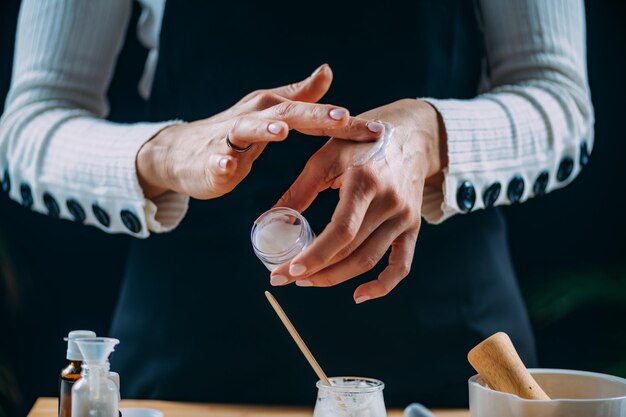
[
  {"x": 327, "y": 132},
  {"x": 370, "y": 179},
  {"x": 353, "y": 125},
  {"x": 266, "y": 99},
  {"x": 320, "y": 112},
  {"x": 324, "y": 282},
  {"x": 318, "y": 163},
  {"x": 406, "y": 216},
  {"x": 284, "y": 109},
  {"x": 236, "y": 128},
  {"x": 346, "y": 229},
  {"x": 345, "y": 252},
  {"x": 316, "y": 113},
  {"x": 413, "y": 217},
  {"x": 385, "y": 286},
  {"x": 385, "y": 289},
  {"x": 395, "y": 199},
  {"x": 251, "y": 96},
  {"x": 367, "y": 262},
  {"x": 404, "y": 269},
  {"x": 286, "y": 198},
  {"x": 326, "y": 166},
  {"x": 293, "y": 88}
]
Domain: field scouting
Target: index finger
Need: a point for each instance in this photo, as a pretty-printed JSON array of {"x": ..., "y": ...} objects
[
  {"x": 355, "y": 197},
  {"x": 357, "y": 129},
  {"x": 300, "y": 115}
]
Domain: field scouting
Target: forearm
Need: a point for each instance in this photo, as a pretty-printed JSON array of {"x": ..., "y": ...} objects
[
  {"x": 531, "y": 131},
  {"x": 69, "y": 155},
  {"x": 57, "y": 152}
]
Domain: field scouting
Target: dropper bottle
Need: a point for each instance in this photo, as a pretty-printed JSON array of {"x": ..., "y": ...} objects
[
  {"x": 95, "y": 394},
  {"x": 71, "y": 373}
]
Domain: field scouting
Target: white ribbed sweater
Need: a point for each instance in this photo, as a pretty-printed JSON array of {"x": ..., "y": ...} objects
[{"x": 533, "y": 113}]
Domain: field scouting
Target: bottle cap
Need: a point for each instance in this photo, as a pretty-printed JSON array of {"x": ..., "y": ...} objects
[{"x": 73, "y": 353}]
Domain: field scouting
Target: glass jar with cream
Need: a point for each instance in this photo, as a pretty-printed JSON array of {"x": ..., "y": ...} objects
[{"x": 279, "y": 235}]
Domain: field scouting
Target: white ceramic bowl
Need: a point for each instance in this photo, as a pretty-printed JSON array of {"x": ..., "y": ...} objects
[{"x": 573, "y": 393}]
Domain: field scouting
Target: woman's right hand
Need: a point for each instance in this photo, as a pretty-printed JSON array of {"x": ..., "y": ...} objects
[{"x": 194, "y": 159}]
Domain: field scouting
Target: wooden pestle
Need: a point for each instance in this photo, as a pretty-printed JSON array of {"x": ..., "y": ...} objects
[{"x": 498, "y": 363}]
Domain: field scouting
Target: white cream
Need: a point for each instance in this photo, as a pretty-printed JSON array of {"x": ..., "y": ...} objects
[
  {"x": 277, "y": 237},
  {"x": 378, "y": 150}
]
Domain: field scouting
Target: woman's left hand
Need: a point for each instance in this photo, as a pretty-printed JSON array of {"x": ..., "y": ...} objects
[{"x": 380, "y": 202}]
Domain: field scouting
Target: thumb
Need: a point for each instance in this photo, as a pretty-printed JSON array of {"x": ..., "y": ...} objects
[{"x": 311, "y": 89}]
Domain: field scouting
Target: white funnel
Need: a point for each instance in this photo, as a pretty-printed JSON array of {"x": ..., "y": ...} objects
[{"x": 96, "y": 349}]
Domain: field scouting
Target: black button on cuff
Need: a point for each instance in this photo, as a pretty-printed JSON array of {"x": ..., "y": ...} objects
[
  {"x": 541, "y": 184},
  {"x": 27, "y": 195},
  {"x": 515, "y": 190},
  {"x": 52, "y": 205},
  {"x": 565, "y": 169},
  {"x": 131, "y": 221},
  {"x": 6, "y": 182},
  {"x": 466, "y": 196},
  {"x": 101, "y": 215},
  {"x": 584, "y": 154},
  {"x": 76, "y": 210},
  {"x": 491, "y": 194}
]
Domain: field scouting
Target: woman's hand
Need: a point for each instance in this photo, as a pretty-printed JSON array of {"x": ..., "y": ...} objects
[
  {"x": 194, "y": 158},
  {"x": 380, "y": 202}
]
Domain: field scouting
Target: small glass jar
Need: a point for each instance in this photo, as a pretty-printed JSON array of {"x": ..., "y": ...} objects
[
  {"x": 279, "y": 235},
  {"x": 350, "y": 396}
]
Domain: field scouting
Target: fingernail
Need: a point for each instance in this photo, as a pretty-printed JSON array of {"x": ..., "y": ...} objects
[
  {"x": 375, "y": 127},
  {"x": 223, "y": 163},
  {"x": 297, "y": 269},
  {"x": 274, "y": 128},
  {"x": 304, "y": 283},
  {"x": 338, "y": 114},
  {"x": 362, "y": 299},
  {"x": 278, "y": 280},
  {"x": 317, "y": 70}
]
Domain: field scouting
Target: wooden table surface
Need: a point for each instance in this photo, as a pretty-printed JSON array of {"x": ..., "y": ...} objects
[{"x": 47, "y": 407}]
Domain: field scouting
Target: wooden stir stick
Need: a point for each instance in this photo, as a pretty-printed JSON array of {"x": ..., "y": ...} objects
[
  {"x": 296, "y": 337},
  {"x": 498, "y": 363}
]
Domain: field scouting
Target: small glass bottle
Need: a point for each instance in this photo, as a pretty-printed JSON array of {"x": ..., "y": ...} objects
[
  {"x": 350, "y": 397},
  {"x": 96, "y": 394},
  {"x": 71, "y": 373},
  {"x": 279, "y": 235}
]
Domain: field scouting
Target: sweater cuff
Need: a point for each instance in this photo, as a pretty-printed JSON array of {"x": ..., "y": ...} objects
[
  {"x": 164, "y": 213},
  {"x": 487, "y": 164},
  {"x": 89, "y": 176}
]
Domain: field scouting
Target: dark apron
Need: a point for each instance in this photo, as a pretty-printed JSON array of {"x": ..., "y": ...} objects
[{"x": 192, "y": 317}]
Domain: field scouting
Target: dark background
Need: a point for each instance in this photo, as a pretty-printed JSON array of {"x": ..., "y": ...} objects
[{"x": 568, "y": 247}]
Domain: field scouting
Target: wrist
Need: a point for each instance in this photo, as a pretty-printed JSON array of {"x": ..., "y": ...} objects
[
  {"x": 151, "y": 164},
  {"x": 439, "y": 152},
  {"x": 428, "y": 132}
]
